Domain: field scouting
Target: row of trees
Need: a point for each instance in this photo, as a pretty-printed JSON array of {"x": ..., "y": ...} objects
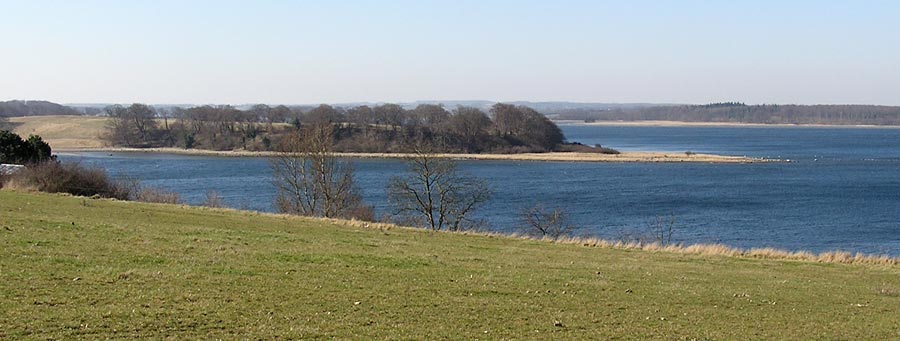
[
  {"x": 735, "y": 112},
  {"x": 383, "y": 128}
]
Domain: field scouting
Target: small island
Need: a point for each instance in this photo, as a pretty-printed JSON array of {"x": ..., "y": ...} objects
[{"x": 505, "y": 132}]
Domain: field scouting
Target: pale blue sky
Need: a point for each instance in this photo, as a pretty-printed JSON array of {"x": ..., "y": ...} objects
[{"x": 295, "y": 52}]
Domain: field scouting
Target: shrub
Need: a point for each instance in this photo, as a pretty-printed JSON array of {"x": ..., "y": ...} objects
[
  {"x": 213, "y": 199},
  {"x": 361, "y": 212},
  {"x": 538, "y": 222},
  {"x": 514, "y": 150},
  {"x": 581, "y": 148},
  {"x": 72, "y": 178},
  {"x": 604, "y": 150},
  {"x": 156, "y": 195}
]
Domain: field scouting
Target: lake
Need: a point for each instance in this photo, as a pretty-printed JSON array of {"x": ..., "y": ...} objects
[{"x": 841, "y": 190}]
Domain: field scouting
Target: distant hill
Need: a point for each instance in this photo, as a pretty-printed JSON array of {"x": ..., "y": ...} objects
[
  {"x": 542, "y": 107},
  {"x": 735, "y": 112},
  {"x": 729, "y": 112},
  {"x": 18, "y": 108}
]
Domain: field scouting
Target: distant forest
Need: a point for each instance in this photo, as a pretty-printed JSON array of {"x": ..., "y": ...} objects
[
  {"x": 387, "y": 128},
  {"x": 728, "y": 112},
  {"x": 734, "y": 112},
  {"x": 34, "y": 108}
]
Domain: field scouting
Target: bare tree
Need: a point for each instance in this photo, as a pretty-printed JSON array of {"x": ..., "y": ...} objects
[
  {"x": 435, "y": 195},
  {"x": 134, "y": 126},
  {"x": 213, "y": 199},
  {"x": 662, "y": 229},
  {"x": 311, "y": 181},
  {"x": 323, "y": 114},
  {"x": 470, "y": 126},
  {"x": 542, "y": 223}
]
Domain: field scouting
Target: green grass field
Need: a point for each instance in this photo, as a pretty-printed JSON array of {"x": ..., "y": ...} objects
[{"x": 73, "y": 268}]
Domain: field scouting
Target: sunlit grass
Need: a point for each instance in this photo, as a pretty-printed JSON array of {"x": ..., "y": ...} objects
[{"x": 73, "y": 267}]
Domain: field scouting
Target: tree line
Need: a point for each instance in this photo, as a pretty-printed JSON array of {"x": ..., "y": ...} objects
[
  {"x": 18, "y": 108},
  {"x": 735, "y": 112},
  {"x": 389, "y": 128}
]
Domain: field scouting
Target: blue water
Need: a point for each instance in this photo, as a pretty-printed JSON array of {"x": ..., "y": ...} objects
[{"x": 841, "y": 190}]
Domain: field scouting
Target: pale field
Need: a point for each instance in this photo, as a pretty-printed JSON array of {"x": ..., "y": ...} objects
[{"x": 61, "y": 132}]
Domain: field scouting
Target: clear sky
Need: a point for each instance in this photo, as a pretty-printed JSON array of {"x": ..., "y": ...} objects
[{"x": 294, "y": 52}]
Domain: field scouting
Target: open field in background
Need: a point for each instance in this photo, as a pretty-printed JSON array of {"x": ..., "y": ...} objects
[
  {"x": 74, "y": 267},
  {"x": 81, "y": 133},
  {"x": 61, "y": 132}
]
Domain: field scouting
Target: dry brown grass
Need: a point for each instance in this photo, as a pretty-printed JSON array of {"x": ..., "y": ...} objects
[
  {"x": 841, "y": 257},
  {"x": 18, "y": 185},
  {"x": 62, "y": 132},
  {"x": 721, "y": 250},
  {"x": 156, "y": 195}
]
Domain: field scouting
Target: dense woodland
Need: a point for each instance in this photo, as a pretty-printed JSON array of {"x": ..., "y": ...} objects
[
  {"x": 382, "y": 128},
  {"x": 34, "y": 108},
  {"x": 734, "y": 112}
]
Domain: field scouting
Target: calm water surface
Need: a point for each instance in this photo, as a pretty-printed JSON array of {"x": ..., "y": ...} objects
[{"x": 841, "y": 190}]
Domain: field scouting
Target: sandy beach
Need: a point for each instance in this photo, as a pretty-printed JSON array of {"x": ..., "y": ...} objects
[{"x": 648, "y": 157}]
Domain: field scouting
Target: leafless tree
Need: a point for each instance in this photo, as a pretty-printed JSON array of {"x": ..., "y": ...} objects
[
  {"x": 133, "y": 126},
  {"x": 470, "y": 126},
  {"x": 539, "y": 222},
  {"x": 213, "y": 199},
  {"x": 435, "y": 194},
  {"x": 310, "y": 180},
  {"x": 526, "y": 126},
  {"x": 323, "y": 114},
  {"x": 662, "y": 229}
]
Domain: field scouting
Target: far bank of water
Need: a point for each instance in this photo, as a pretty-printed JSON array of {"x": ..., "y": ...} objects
[{"x": 841, "y": 192}]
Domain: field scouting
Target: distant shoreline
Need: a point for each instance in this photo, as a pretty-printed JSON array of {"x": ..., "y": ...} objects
[
  {"x": 629, "y": 157},
  {"x": 715, "y": 124}
]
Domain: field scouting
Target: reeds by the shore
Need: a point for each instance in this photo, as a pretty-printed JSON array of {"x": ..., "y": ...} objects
[{"x": 842, "y": 257}]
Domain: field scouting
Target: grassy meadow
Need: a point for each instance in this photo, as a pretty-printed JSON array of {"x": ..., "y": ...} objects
[
  {"x": 61, "y": 132},
  {"x": 80, "y": 268}
]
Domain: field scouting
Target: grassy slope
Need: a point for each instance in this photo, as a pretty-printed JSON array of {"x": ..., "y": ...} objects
[
  {"x": 66, "y": 132},
  {"x": 73, "y": 267}
]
